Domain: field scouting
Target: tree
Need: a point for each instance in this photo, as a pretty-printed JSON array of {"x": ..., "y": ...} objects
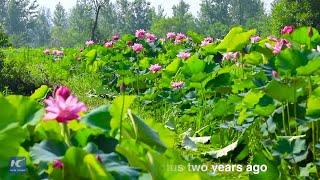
[
  {"x": 108, "y": 22},
  {"x": 182, "y": 17},
  {"x": 60, "y": 24},
  {"x": 41, "y": 32},
  {"x": 80, "y": 23},
  {"x": 21, "y": 20},
  {"x": 97, "y": 6},
  {"x": 3, "y": 12},
  {"x": 59, "y": 16},
  {"x": 141, "y": 14},
  {"x": 213, "y": 11},
  {"x": 242, "y": 10},
  {"x": 295, "y": 12}
]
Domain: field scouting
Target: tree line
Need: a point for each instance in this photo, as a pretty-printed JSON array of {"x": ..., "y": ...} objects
[{"x": 28, "y": 24}]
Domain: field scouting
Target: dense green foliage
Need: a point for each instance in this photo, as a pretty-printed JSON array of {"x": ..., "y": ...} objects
[
  {"x": 295, "y": 12},
  {"x": 258, "y": 107}
]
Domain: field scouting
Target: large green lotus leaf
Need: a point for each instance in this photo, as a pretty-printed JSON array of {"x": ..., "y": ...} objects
[
  {"x": 252, "y": 98},
  {"x": 11, "y": 136},
  {"x": 28, "y": 111},
  {"x": 272, "y": 171},
  {"x": 48, "y": 130},
  {"x": 173, "y": 67},
  {"x": 95, "y": 168},
  {"x": 235, "y": 40},
  {"x": 40, "y": 93},
  {"x": 117, "y": 167},
  {"x": 98, "y": 118},
  {"x": 7, "y": 113},
  {"x": 120, "y": 106},
  {"x": 254, "y": 58},
  {"x": 301, "y": 35},
  {"x": 91, "y": 56},
  {"x": 193, "y": 66},
  {"x": 282, "y": 92},
  {"x": 134, "y": 152},
  {"x": 47, "y": 151},
  {"x": 312, "y": 67},
  {"x": 313, "y": 106},
  {"x": 74, "y": 166},
  {"x": 197, "y": 38},
  {"x": 292, "y": 148},
  {"x": 146, "y": 134},
  {"x": 289, "y": 60}
]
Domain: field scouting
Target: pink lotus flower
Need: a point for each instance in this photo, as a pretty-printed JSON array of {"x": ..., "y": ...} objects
[
  {"x": 275, "y": 74},
  {"x": 206, "y": 41},
  {"x": 255, "y": 39},
  {"x": 151, "y": 38},
  {"x": 180, "y": 38},
  {"x": 271, "y": 38},
  {"x": 63, "y": 107},
  {"x": 46, "y": 51},
  {"x": 231, "y": 56},
  {"x": 280, "y": 44},
  {"x": 108, "y": 44},
  {"x": 140, "y": 33},
  {"x": 184, "y": 55},
  {"x": 57, "y": 52},
  {"x": 62, "y": 91},
  {"x": 58, "y": 164},
  {"x": 137, "y": 47},
  {"x": 177, "y": 85},
  {"x": 89, "y": 43},
  {"x": 115, "y": 37},
  {"x": 155, "y": 68},
  {"x": 171, "y": 35},
  {"x": 287, "y": 30}
]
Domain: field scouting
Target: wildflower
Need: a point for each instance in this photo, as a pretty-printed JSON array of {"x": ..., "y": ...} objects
[
  {"x": 151, "y": 38},
  {"x": 89, "y": 43},
  {"x": 63, "y": 107},
  {"x": 58, "y": 164},
  {"x": 137, "y": 47},
  {"x": 140, "y": 33},
  {"x": 115, "y": 37},
  {"x": 231, "y": 56},
  {"x": 155, "y": 68},
  {"x": 255, "y": 39},
  {"x": 46, "y": 51},
  {"x": 184, "y": 55},
  {"x": 171, "y": 35},
  {"x": 207, "y": 41},
  {"x": 108, "y": 44},
  {"x": 287, "y": 30},
  {"x": 177, "y": 85}
]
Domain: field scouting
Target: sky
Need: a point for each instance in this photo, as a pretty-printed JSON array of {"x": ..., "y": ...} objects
[{"x": 166, "y": 4}]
